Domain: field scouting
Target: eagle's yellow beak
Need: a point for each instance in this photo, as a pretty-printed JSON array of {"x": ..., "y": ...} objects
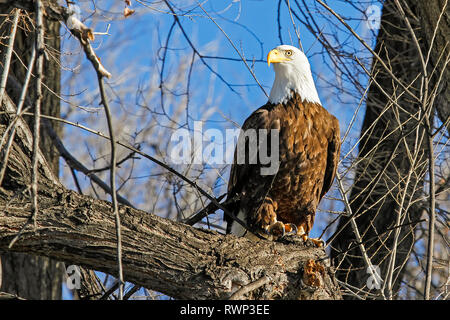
[{"x": 275, "y": 56}]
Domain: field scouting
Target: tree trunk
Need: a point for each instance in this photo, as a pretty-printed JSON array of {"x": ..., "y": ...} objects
[
  {"x": 429, "y": 12},
  {"x": 388, "y": 181},
  {"x": 30, "y": 276}
]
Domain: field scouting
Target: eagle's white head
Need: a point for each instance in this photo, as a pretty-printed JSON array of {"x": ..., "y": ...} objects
[{"x": 292, "y": 73}]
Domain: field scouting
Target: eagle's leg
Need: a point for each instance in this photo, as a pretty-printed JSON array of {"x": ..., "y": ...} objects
[
  {"x": 317, "y": 242},
  {"x": 266, "y": 218}
]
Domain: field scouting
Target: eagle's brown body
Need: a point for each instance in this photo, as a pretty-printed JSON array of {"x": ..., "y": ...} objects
[{"x": 309, "y": 146}]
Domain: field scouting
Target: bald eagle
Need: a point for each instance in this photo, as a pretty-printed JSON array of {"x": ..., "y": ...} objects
[{"x": 308, "y": 146}]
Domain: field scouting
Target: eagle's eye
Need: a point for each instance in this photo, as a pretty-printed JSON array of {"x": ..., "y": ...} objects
[{"x": 288, "y": 53}]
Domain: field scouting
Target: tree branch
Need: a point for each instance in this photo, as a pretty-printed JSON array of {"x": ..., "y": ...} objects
[
  {"x": 166, "y": 256},
  {"x": 160, "y": 254}
]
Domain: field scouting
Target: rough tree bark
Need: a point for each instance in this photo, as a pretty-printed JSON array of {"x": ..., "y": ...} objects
[
  {"x": 178, "y": 260},
  {"x": 379, "y": 148},
  {"x": 31, "y": 276},
  {"x": 429, "y": 12}
]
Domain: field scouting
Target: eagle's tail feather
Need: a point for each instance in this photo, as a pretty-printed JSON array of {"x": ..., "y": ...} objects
[{"x": 236, "y": 228}]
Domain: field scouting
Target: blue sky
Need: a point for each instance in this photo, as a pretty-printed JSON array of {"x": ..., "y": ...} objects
[{"x": 250, "y": 24}]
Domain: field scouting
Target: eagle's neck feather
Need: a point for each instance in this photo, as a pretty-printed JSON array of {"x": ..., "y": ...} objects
[{"x": 293, "y": 79}]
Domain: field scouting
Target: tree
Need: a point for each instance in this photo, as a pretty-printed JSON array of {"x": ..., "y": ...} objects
[{"x": 397, "y": 146}]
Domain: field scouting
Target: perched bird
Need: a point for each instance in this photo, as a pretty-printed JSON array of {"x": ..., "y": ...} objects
[{"x": 286, "y": 200}]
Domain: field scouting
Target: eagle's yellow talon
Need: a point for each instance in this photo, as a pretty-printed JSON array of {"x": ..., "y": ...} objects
[
  {"x": 317, "y": 242},
  {"x": 290, "y": 228}
]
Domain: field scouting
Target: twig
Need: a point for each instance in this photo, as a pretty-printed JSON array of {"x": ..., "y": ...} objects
[
  {"x": 250, "y": 287},
  {"x": 110, "y": 291},
  {"x": 364, "y": 43},
  {"x": 432, "y": 214},
  {"x": 370, "y": 268},
  {"x": 22, "y": 99},
  {"x": 398, "y": 222},
  {"x": 210, "y": 208},
  {"x": 75, "y": 180},
  {"x": 37, "y": 108},
  {"x": 131, "y": 292},
  {"x": 108, "y": 167},
  {"x": 75, "y": 164},
  {"x": 444, "y": 8},
  {"x": 39, "y": 47},
  {"x": 7, "y": 59},
  {"x": 295, "y": 27},
  {"x": 113, "y": 181},
  {"x": 84, "y": 34},
  {"x": 234, "y": 47},
  {"x": 186, "y": 36}
]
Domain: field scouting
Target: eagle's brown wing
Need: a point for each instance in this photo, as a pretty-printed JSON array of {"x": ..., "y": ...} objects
[
  {"x": 334, "y": 147},
  {"x": 246, "y": 182}
]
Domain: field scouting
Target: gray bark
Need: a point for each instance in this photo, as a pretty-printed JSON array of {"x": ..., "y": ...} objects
[{"x": 44, "y": 276}]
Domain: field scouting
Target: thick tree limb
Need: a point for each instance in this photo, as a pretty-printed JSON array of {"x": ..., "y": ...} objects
[{"x": 160, "y": 254}]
